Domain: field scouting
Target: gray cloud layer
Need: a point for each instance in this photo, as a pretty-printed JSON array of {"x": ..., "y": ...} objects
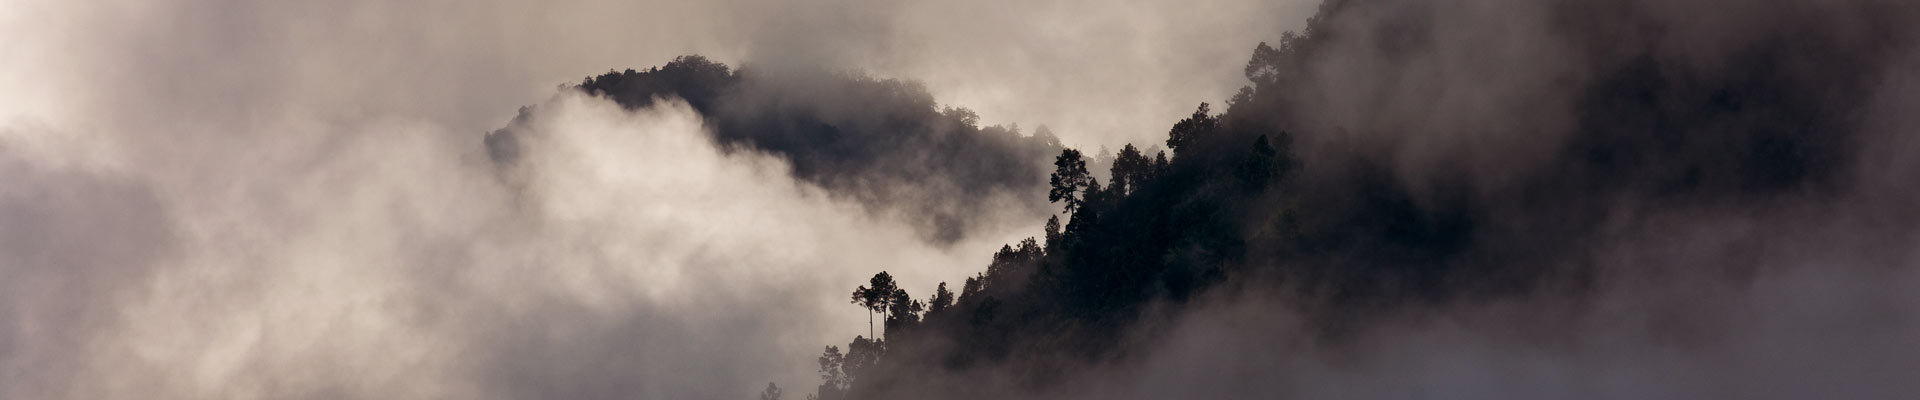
[
  {"x": 211, "y": 199},
  {"x": 1722, "y": 287}
]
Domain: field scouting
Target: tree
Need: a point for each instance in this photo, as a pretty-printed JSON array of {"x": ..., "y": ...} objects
[
  {"x": 875, "y": 298},
  {"x": 772, "y": 392},
  {"x": 974, "y": 284},
  {"x": 1085, "y": 217},
  {"x": 903, "y": 312},
  {"x": 833, "y": 375},
  {"x": 1160, "y": 164},
  {"x": 1130, "y": 169},
  {"x": 1031, "y": 249},
  {"x": 942, "y": 298},
  {"x": 1192, "y": 129},
  {"x": 1261, "y": 166},
  {"x": 1069, "y": 177},
  {"x": 962, "y": 115},
  {"x": 862, "y": 355},
  {"x": 1053, "y": 231},
  {"x": 1093, "y": 194},
  {"x": 1264, "y": 67}
]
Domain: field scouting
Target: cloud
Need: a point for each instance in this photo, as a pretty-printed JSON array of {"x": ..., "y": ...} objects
[
  {"x": 1707, "y": 196},
  {"x": 1516, "y": 200},
  {"x": 288, "y": 200},
  {"x": 640, "y": 260},
  {"x": 1818, "y": 322},
  {"x": 209, "y": 199},
  {"x": 76, "y": 245}
]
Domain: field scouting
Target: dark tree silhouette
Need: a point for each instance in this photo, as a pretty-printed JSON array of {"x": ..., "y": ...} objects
[
  {"x": 941, "y": 300},
  {"x": 1069, "y": 178},
  {"x": 1193, "y": 129},
  {"x": 876, "y": 296},
  {"x": 1130, "y": 169},
  {"x": 971, "y": 288},
  {"x": 1094, "y": 194},
  {"x": 862, "y": 355},
  {"x": 833, "y": 376},
  {"x": 903, "y": 313},
  {"x": 1052, "y": 231}
]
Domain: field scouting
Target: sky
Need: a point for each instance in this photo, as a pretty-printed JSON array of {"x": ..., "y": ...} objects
[
  {"x": 284, "y": 199},
  {"x": 291, "y": 199}
]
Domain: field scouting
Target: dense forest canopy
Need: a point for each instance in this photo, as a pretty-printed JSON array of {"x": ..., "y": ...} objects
[{"x": 1392, "y": 154}]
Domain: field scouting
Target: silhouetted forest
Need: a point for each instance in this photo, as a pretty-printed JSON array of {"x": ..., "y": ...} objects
[
  {"x": 1243, "y": 199},
  {"x": 1302, "y": 182}
]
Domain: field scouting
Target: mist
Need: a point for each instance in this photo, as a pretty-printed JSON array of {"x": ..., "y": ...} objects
[
  {"x": 1661, "y": 200},
  {"x": 290, "y": 200},
  {"x": 398, "y": 266},
  {"x": 1489, "y": 199}
]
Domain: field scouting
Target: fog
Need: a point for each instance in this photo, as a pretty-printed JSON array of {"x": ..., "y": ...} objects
[
  {"x": 1706, "y": 266},
  {"x": 397, "y": 266},
  {"x": 213, "y": 199},
  {"x": 281, "y": 199},
  {"x": 1823, "y": 312}
]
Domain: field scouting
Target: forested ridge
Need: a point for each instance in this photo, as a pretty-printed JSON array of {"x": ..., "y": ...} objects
[{"x": 1302, "y": 183}]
